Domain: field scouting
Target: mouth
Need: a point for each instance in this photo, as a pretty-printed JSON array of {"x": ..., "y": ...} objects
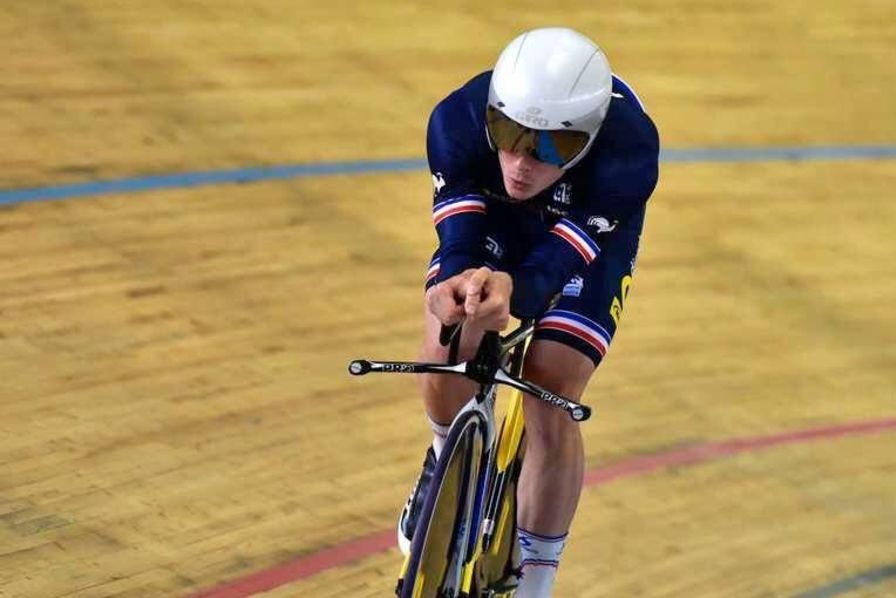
[{"x": 518, "y": 189}]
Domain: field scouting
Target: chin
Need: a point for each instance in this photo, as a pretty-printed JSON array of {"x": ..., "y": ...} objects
[{"x": 520, "y": 195}]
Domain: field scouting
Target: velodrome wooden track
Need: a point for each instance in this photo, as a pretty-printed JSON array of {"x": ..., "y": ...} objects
[{"x": 175, "y": 415}]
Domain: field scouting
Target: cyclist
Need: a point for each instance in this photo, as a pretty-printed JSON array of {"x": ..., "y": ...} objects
[{"x": 542, "y": 169}]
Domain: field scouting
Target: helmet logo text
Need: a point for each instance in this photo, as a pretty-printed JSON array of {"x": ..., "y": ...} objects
[{"x": 532, "y": 119}]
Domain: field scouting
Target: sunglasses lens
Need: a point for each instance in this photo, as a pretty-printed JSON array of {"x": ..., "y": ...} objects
[{"x": 554, "y": 147}]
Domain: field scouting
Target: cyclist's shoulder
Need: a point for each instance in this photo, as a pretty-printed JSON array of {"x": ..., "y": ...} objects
[
  {"x": 463, "y": 109},
  {"x": 456, "y": 142},
  {"x": 624, "y": 161},
  {"x": 622, "y": 90},
  {"x": 627, "y": 127},
  {"x": 473, "y": 92}
]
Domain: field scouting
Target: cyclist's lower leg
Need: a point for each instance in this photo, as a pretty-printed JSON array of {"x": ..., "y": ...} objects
[
  {"x": 551, "y": 478},
  {"x": 443, "y": 398},
  {"x": 548, "y": 493}
]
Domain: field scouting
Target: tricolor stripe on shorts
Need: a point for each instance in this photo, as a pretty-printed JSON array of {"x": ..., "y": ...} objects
[
  {"x": 578, "y": 326},
  {"x": 434, "y": 267},
  {"x": 578, "y": 238},
  {"x": 459, "y": 205}
]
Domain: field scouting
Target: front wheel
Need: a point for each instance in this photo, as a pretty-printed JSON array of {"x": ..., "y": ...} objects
[{"x": 437, "y": 549}]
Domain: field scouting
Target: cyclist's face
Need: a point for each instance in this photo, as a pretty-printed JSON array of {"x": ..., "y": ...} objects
[{"x": 524, "y": 176}]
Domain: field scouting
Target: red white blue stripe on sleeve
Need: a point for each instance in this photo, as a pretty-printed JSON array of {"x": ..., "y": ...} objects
[
  {"x": 578, "y": 326},
  {"x": 433, "y": 271},
  {"x": 579, "y": 239},
  {"x": 460, "y": 205}
]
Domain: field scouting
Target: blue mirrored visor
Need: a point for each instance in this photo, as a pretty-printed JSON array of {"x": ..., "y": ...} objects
[{"x": 553, "y": 147}]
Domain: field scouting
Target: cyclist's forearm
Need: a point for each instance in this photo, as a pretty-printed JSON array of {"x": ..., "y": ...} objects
[
  {"x": 457, "y": 257},
  {"x": 460, "y": 225},
  {"x": 551, "y": 263},
  {"x": 532, "y": 290}
]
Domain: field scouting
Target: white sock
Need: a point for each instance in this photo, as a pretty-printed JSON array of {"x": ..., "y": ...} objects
[
  {"x": 540, "y": 556},
  {"x": 439, "y": 434}
]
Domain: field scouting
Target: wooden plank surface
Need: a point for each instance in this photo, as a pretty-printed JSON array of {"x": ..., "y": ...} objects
[{"x": 174, "y": 407}]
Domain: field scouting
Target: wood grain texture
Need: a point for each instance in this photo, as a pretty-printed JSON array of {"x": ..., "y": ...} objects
[{"x": 174, "y": 406}]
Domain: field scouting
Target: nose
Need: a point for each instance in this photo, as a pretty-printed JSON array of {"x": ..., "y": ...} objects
[{"x": 523, "y": 162}]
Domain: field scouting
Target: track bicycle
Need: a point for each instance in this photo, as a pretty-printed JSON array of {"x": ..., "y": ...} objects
[{"x": 464, "y": 543}]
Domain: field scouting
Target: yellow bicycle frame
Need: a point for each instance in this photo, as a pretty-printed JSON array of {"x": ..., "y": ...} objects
[{"x": 507, "y": 449}]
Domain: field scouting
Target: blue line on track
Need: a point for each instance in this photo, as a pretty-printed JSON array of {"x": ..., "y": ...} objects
[
  {"x": 267, "y": 173},
  {"x": 848, "y": 584}
]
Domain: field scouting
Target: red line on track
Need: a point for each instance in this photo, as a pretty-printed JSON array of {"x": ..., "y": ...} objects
[
  {"x": 699, "y": 453},
  {"x": 302, "y": 567},
  {"x": 353, "y": 550}
]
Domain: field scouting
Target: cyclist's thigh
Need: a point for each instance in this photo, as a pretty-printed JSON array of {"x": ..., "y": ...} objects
[{"x": 591, "y": 304}]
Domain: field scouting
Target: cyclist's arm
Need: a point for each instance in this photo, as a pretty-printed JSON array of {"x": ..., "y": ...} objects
[
  {"x": 565, "y": 250},
  {"x": 575, "y": 241},
  {"x": 459, "y": 208}
]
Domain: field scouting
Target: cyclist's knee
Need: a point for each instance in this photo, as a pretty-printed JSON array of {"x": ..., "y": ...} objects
[
  {"x": 549, "y": 429},
  {"x": 444, "y": 394},
  {"x": 450, "y": 391},
  {"x": 561, "y": 370},
  {"x": 433, "y": 351}
]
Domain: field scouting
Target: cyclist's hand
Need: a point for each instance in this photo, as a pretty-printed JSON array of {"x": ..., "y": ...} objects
[
  {"x": 446, "y": 299},
  {"x": 487, "y": 301}
]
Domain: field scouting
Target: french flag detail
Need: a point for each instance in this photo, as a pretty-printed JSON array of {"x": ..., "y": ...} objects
[
  {"x": 578, "y": 326},
  {"x": 578, "y": 238},
  {"x": 459, "y": 205},
  {"x": 434, "y": 267}
]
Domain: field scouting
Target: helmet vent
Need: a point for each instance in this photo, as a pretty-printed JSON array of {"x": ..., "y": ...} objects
[{"x": 566, "y": 123}]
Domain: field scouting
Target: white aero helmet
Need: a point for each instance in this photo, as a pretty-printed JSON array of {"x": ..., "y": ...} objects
[{"x": 549, "y": 94}]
